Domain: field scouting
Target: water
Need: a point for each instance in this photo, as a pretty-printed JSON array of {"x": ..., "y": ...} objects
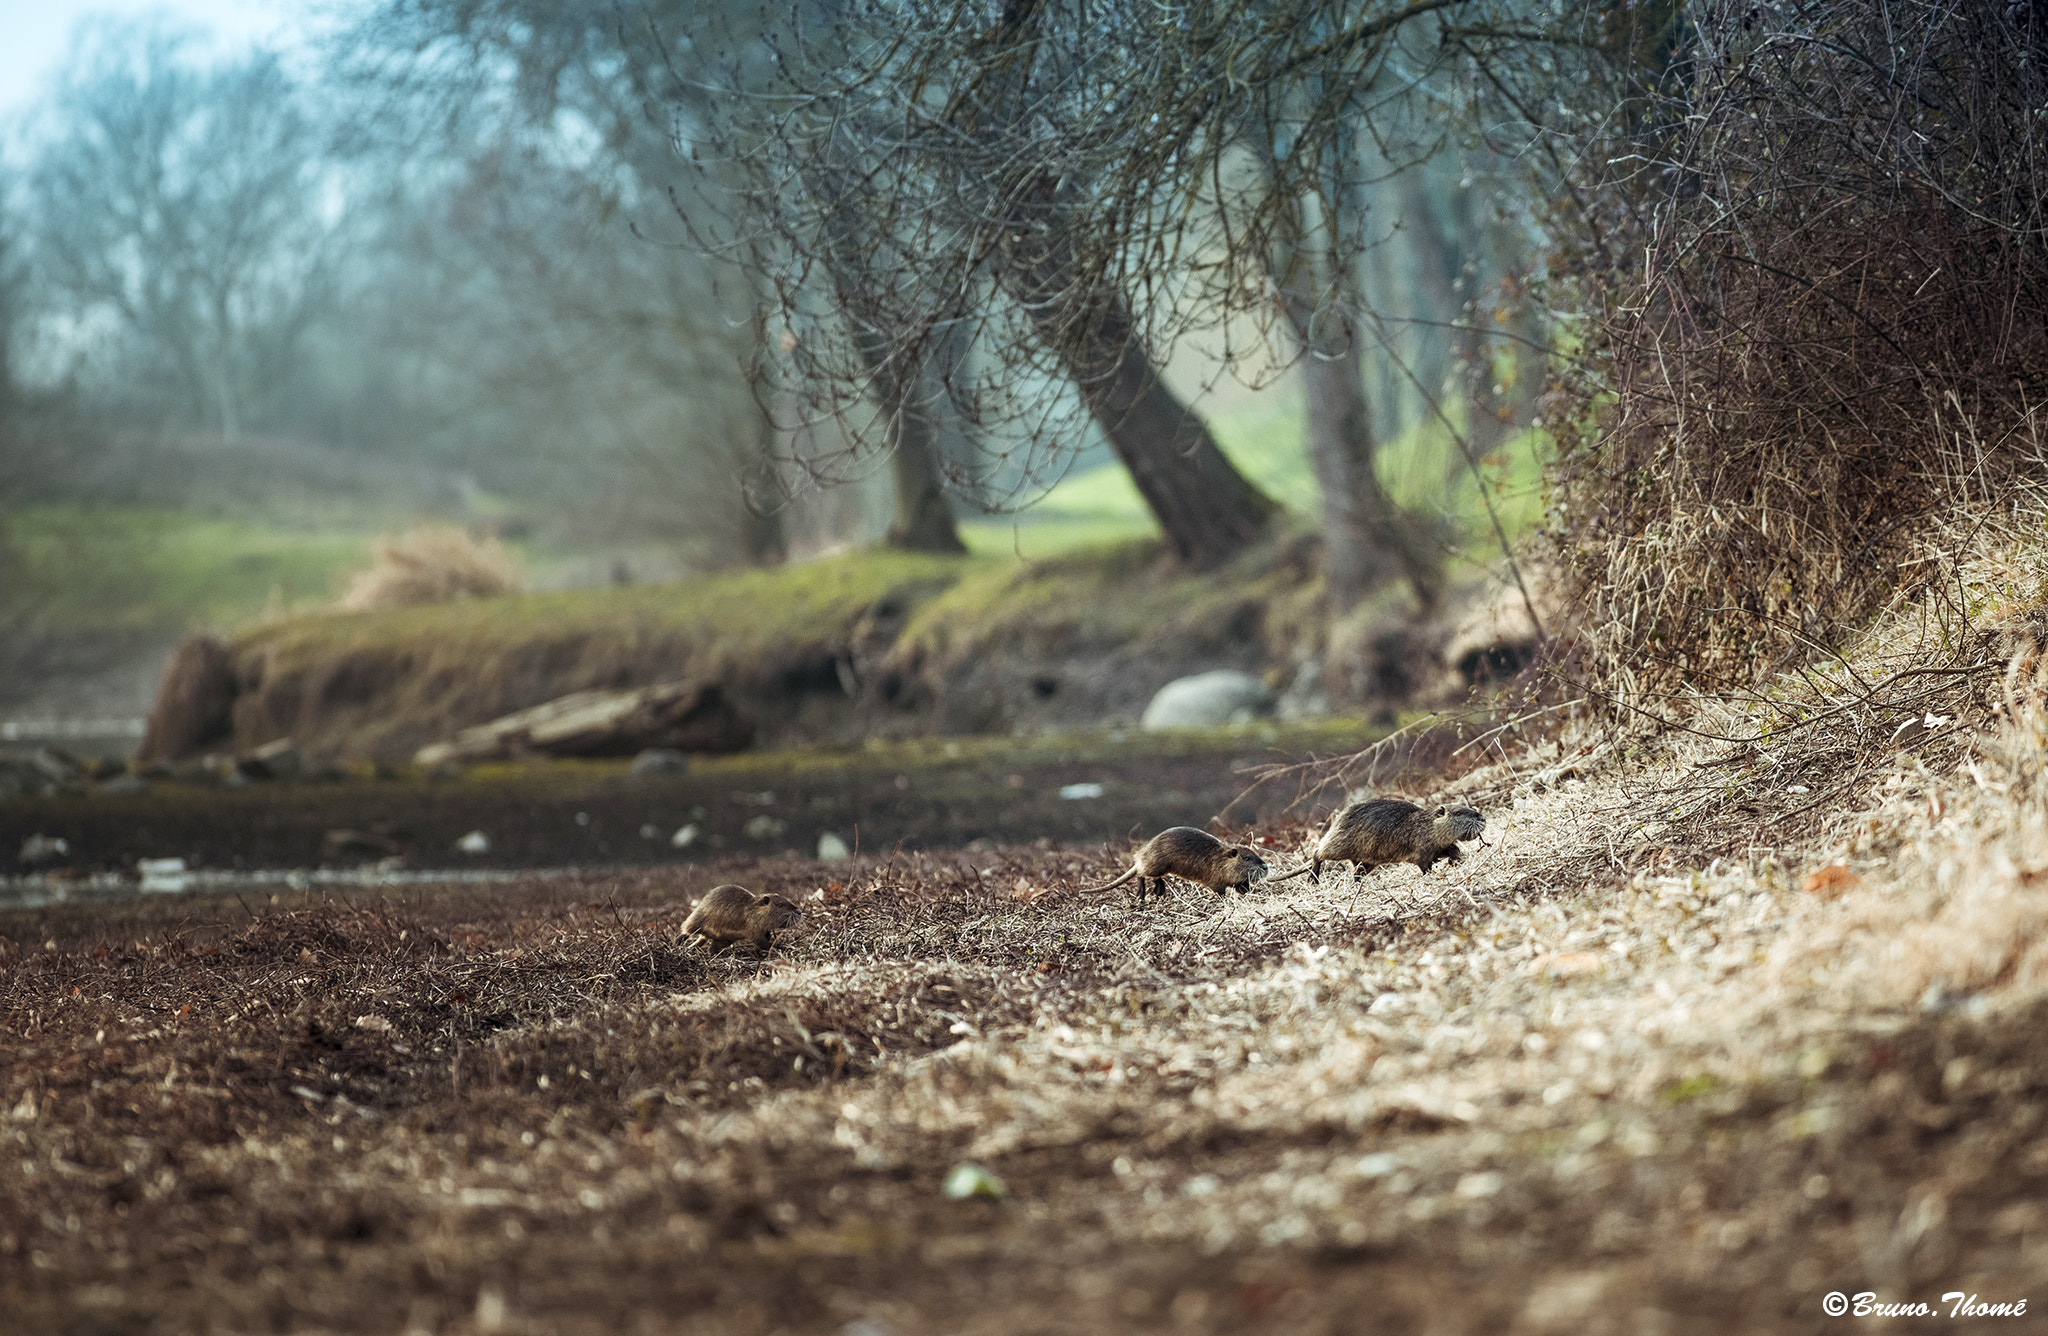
[{"x": 36, "y": 891}]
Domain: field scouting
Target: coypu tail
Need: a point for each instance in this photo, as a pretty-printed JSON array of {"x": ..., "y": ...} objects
[{"x": 1110, "y": 886}]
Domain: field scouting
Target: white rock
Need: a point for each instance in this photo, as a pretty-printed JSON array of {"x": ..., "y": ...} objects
[
  {"x": 831, "y": 848},
  {"x": 661, "y": 761},
  {"x": 684, "y": 837},
  {"x": 1206, "y": 699},
  {"x": 41, "y": 848},
  {"x": 163, "y": 876},
  {"x": 1481, "y": 1184},
  {"x": 476, "y": 842},
  {"x": 1075, "y": 792}
]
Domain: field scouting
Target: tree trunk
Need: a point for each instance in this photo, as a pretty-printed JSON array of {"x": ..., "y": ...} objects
[
  {"x": 1446, "y": 237},
  {"x": 1367, "y": 540},
  {"x": 956, "y": 443},
  {"x": 762, "y": 539},
  {"x": 1208, "y": 510},
  {"x": 924, "y": 520},
  {"x": 896, "y": 369}
]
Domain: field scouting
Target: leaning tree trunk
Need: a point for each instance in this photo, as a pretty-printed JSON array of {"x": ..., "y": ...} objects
[{"x": 1208, "y": 510}]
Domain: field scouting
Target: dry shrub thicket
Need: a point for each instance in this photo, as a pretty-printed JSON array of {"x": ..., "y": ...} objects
[
  {"x": 432, "y": 564},
  {"x": 1839, "y": 333}
]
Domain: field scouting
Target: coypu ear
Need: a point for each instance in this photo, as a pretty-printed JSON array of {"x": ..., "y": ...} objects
[{"x": 1443, "y": 809}]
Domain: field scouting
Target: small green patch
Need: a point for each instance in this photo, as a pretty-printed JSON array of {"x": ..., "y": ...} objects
[{"x": 1690, "y": 1088}]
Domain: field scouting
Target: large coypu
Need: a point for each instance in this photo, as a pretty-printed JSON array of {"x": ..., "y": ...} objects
[
  {"x": 729, "y": 914},
  {"x": 1387, "y": 830},
  {"x": 1192, "y": 855}
]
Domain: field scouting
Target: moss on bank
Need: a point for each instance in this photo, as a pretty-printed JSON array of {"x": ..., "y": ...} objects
[{"x": 865, "y": 644}]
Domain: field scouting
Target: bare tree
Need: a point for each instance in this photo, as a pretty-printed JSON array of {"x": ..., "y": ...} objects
[
  {"x": 177, "y": 219},
  {"x": 1069, "y": 174},
  {"x": 635, "y": 78},
  {"x": 976, "y": 233}
]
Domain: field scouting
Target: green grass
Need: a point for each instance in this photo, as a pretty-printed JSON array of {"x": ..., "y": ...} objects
[
  {"x": 746, "y": 612},
  {"x": 141, "y": 569},
  {"x": 138, "y": 569},
  {"x": 1266, "y": 438}
]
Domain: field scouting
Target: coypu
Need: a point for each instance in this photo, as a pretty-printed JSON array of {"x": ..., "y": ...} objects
[
  {"x": 729, "y": 914},
  {"x": 1387, "y": 830},
  {"x": 1192, "y": 855}
]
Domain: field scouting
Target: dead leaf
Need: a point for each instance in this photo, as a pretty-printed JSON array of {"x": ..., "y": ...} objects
[
  {"x": 1565, "y": 964},
  {"x": 1830, "y": 882}
]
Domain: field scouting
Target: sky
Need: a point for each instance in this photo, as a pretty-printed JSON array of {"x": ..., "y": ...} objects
[{"x": 36, "y": 34}]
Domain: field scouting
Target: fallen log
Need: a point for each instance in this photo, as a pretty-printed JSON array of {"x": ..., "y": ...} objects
[{"x": 691, "y": 717}]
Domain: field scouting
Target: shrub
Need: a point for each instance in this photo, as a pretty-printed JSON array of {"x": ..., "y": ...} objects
[
  {"x": 1841, "y": 333},
  {"x": 432, "y": 564}
]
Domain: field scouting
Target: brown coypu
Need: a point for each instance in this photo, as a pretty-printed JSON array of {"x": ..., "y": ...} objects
[
  {"x": 1387, "y": 830},
  {"x": 1192, "y": 855},
  {"x": 729, "y": 914}
]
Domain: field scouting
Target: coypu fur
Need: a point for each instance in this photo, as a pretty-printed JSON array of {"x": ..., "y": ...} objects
[
  {"x": 729, "y": 914},
  {"x": 1192, "y": 855},
  {"x": 1387, "y": 830}
]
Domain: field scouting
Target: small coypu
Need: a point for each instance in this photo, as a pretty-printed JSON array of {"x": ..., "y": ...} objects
[
  {"x": 1387, "y": 830},
  {"x": 1192, "y": 855},
  {"x": 729, "y": 914}
]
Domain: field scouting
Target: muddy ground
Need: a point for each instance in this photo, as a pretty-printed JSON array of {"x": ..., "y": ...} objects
[
  {"x": 582, "y": 814},
  {"x": 1562, "y": 1086}
]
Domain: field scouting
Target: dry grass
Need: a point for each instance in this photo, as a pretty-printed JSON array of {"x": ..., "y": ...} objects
[
  {"x": 432, "y": 564},
  {"x": 1837, "y": 336},
  {"x": 1619, "y": 1071}
]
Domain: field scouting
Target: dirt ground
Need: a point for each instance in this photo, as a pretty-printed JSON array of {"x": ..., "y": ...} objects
[
  {"x": 1582, "y": 1081},
  {"x": 579, "y": 814}
]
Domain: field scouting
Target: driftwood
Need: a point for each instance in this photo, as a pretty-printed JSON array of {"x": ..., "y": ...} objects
[
  {"x": 194, "y": 704},
  {"x": 682, "y": 715}
]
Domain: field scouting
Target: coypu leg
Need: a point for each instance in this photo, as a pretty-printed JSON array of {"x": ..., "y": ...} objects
[{"x": 1315, "y": 870}]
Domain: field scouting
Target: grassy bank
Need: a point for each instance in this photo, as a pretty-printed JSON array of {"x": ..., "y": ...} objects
[{"x": 127, "y": 568}]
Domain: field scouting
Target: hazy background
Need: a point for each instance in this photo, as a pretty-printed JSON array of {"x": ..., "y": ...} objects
[{"x": 268, "y": 291}]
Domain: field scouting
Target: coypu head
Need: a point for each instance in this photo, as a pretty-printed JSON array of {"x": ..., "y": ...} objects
[
  {"x": 779, "y": 911},
  {"x": 1244, "y": 865},
  {"x": 1458, "y": 823}
]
